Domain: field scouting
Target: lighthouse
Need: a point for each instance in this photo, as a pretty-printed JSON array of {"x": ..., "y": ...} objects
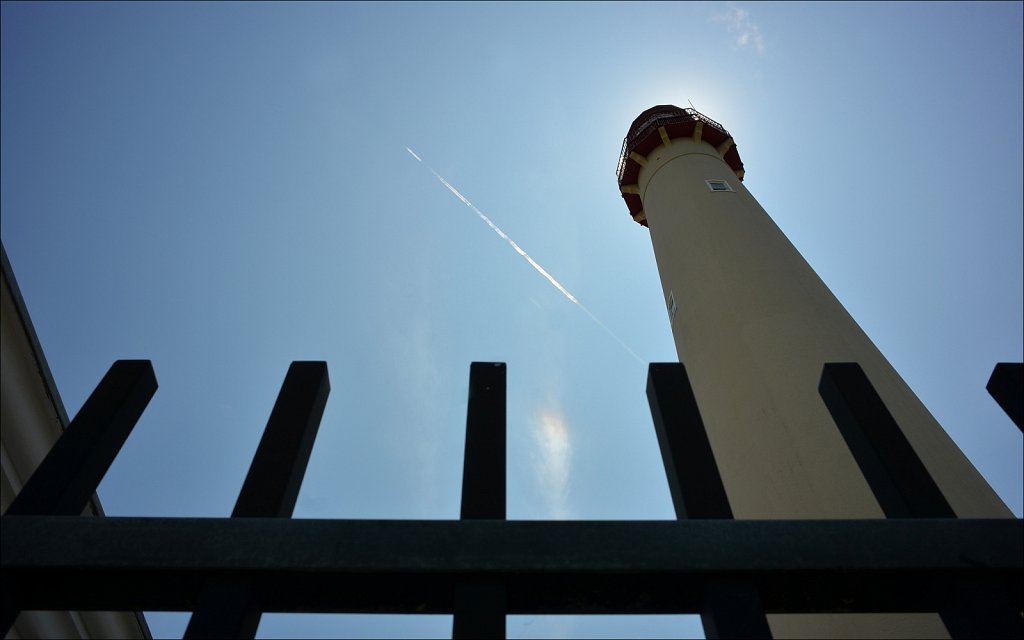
[{"x": 755, "y": 326}]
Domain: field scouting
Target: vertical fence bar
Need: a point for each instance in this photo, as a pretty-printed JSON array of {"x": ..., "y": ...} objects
[
  {"x": 730, "y": 609},
  {"x": 69, "y": 474},
  {"x": 905, "y": 489},
  {"x": 9, "y": 607},
  {"x": 693, "y": 477},
  {"x": 270, "y": 490},
  {"x": 479, "y": 605},
  {"x": 272, "y": 485},
  {"x": 483, "y": 474},
  {"x": 1006, "y": 386},
  {"x": 895, "y": 473}
]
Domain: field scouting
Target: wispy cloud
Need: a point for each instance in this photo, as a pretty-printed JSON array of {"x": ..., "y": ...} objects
[
  {"x": 552, "y": 439},
  {"x": 526, "y": 256},
  {"x": 745, "y": 30},
  {"x": 415, "y": 432},
  {"x": 424, "y": 387}
]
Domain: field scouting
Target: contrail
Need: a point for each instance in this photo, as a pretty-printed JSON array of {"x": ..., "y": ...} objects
[{"x": 526, "y": 256}]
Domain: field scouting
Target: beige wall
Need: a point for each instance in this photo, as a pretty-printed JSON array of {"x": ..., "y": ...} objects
[{"x": 754, "y": 325}]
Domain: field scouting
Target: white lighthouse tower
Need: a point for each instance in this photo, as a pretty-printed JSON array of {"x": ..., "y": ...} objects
[{"x": 754, "y": 325}]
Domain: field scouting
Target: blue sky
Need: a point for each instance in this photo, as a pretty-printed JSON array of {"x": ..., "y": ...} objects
[{"x": 225, "y": 188}]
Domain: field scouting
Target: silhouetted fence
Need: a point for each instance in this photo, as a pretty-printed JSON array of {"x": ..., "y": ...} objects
[{"x": 228, "y": 571}]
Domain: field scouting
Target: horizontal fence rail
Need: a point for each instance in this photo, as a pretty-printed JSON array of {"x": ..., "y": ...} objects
[{"x": 407, "y": 566}]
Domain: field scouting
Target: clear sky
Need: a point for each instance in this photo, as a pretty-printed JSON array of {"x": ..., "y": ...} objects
[{"x": 225, "y": 188}]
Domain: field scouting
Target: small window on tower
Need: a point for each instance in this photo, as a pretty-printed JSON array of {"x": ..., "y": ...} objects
[
  {"x": 718, "y": 185},
  {"x": 671, "y": 306}
]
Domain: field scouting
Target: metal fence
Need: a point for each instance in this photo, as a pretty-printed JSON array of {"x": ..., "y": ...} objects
[{"x": 228, "y": 571}]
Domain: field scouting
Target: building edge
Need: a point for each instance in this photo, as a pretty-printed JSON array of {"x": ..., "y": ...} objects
[{"x": 34, "y": 417}]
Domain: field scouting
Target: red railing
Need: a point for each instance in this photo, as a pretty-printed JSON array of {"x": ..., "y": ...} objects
[{"x": 660, "y": 118}]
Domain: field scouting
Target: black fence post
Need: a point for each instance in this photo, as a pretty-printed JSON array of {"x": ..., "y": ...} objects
[
  {"x": 69, "y": 474},
  {"x": 693, "y": 477},
  {"x": 272, "y": 485},
  {"x": 905, "y": 489},
  {"x": 479, "y": 605},
  {"x": 895, "y": 473},
  {"x": 1006, "y": 386},
  {"x": 730, "y": 609},
  {"x": 231, "y": 609}
]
